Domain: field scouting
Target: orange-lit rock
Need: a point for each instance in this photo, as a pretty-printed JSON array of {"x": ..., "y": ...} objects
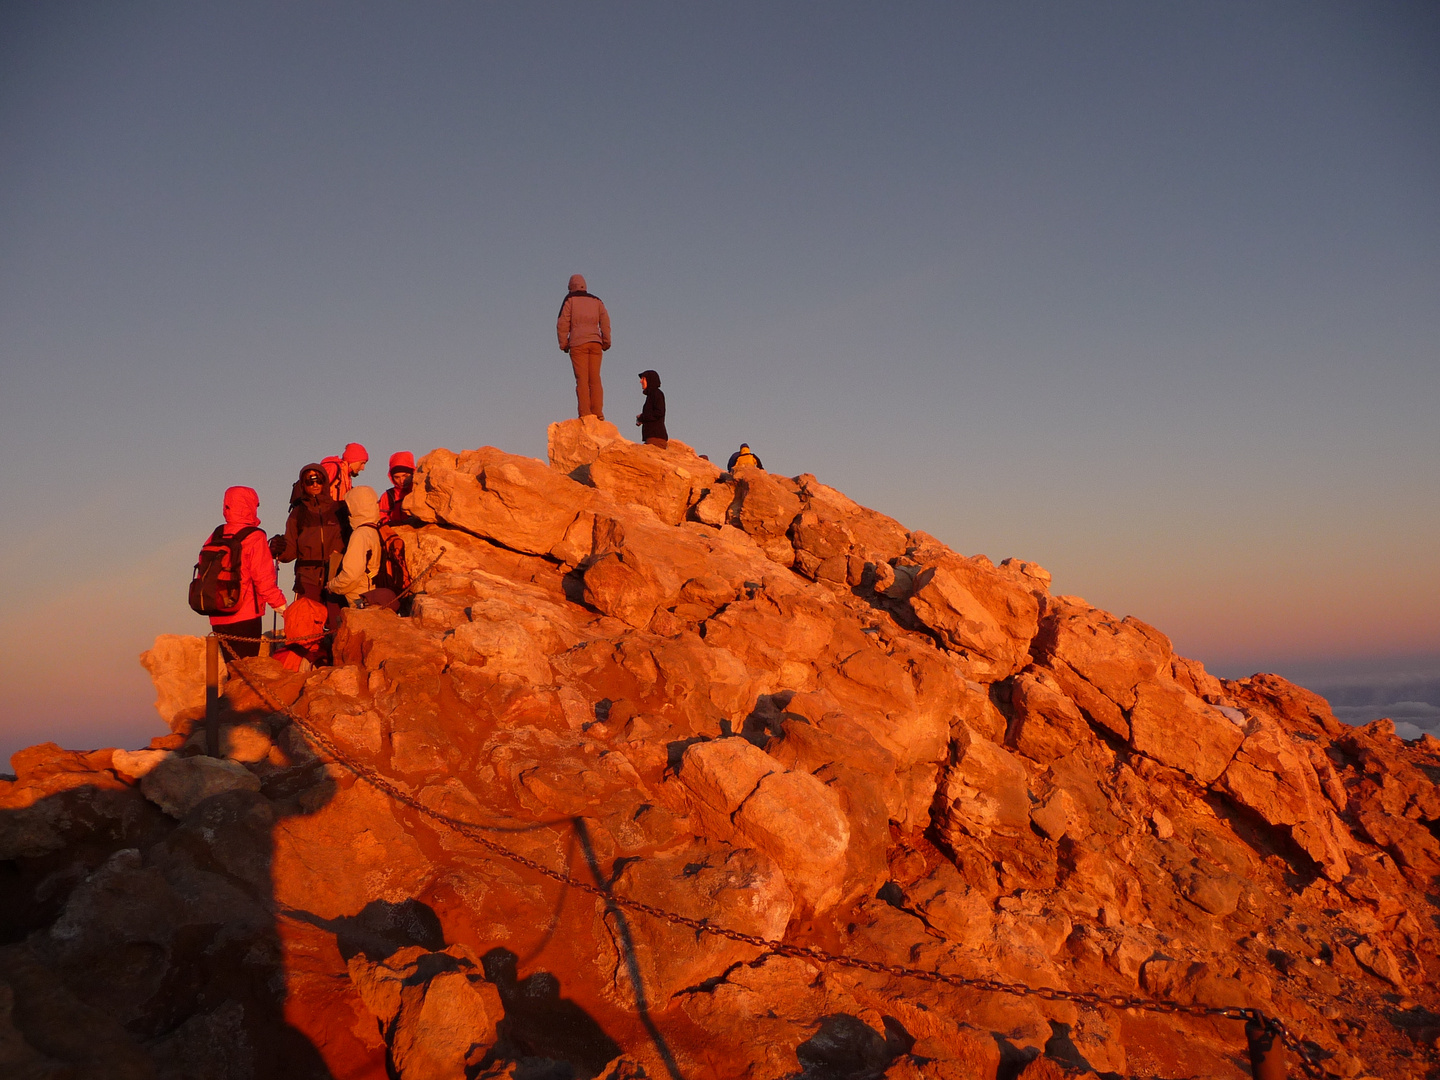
[{"x": 747, "y": 701}]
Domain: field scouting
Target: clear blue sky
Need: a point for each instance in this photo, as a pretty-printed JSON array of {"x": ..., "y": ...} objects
[{"x": 1147, "y": 293}]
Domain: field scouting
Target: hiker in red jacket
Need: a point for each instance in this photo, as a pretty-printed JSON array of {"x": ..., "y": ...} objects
[
  {"x": 342, "y": 470},
  {"x": 583, "y": 329},
  {"x": 257, "y": 574},
  {"x": 402, "y": 476}
]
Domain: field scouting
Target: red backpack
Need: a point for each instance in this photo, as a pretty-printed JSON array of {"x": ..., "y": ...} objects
[{"x": 215, "y": 586}]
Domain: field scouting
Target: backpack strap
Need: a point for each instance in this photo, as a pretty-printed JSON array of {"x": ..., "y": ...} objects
[{"x": 577, "y": 292}]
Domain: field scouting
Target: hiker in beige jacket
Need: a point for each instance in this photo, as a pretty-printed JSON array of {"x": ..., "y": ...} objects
[{"x": 583, "y": 329}]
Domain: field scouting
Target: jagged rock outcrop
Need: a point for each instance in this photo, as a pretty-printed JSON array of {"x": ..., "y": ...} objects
[{"x": 749, "y": 701}]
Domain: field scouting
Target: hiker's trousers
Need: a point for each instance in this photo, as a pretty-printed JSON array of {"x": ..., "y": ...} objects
[{"x": 589, "y": 394}]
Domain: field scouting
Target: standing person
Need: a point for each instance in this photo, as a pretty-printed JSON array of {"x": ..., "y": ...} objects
[
  {"x": 402, "y": 477},
  {"x": 651, "y": 419},
  {"x": 342, "y": 470},
  {"x": 257, "y": 573},
  {"x": 363, "y": 554},
  {"x": 583, "y": 329},
  {"x": 313, "y": 536},
  {"x": 744, "y": 457}
]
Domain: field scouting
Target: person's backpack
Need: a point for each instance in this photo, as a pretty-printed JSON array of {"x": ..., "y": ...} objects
[
  {"x": 393, "y": 574},
  {"x": 215, "y": 585},
  {"x": 745, "y": 458}
]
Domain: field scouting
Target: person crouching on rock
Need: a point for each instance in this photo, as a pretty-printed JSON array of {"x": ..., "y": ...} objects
[
  {"x": 257, "y": 574},
  {"x": 583, "y": 329},
  {"x": 363, "y": 555},
  {"x": 651, "y": 419},
  {"x": 744, "y": 458},
  {"x": 402, "y": 476}
]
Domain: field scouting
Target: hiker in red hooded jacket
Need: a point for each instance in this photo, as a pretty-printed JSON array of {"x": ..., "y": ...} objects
[
  {"x": 583, "y": 329},
  {"x": 257, "y": 574},
  {"x": 342, "y": 470},
  {"x": 402, "y": 475}
]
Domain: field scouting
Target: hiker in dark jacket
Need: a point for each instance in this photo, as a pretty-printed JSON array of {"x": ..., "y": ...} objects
[
  {"x": 744, "y": 457},
  {"x": 313, "y": 533},
  {"x": 651, "y": 419}
]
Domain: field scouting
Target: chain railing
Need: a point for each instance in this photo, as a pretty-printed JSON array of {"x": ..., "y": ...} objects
[
  {"x": 414, "y": 581},
  {"x": 1261, "y": 1029}
]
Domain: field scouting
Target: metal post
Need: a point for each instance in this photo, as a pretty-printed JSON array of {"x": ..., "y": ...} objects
[
  {"x": 212, "y": 695},
  {"x": 1267, "y": 1056}
]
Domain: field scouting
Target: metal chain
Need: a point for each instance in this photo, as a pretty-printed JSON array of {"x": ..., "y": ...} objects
[
  {"x": 273, "y": 641},
  {"x": 1308, "y": 1062}
]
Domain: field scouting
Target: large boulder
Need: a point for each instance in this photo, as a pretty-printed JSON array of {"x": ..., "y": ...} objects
[
  {"x": 984, "y": 792},
  {"x": 1178, "y": 729},
  {"x": 738, "y": 792},
  {"x": 512, "y": 500},
  {"x": 873, "y": 536},
  {"x": 985, "y": 614},
  {"x": 437, "y": 1013},
  {"x": 1045, "y": 725},
  {"x": 765, "y": 508},
  {"x": 1100, "y": 661},
  {"x": 734, "y": 887},
  {"x": 571, "y": 444},
  {"x": 348, "y": 851},
  {"x": 1271, "y": 776},
  {"x": 179, "y": 784},
  {"x": 176, "y": 663}
]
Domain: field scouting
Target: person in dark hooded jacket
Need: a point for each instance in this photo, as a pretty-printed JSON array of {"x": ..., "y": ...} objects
[
  {"x": 651, "y": 419},
  {"x": 314, "y": 532}
]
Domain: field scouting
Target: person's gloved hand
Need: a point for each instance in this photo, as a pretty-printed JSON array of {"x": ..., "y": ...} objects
[{"x": 277, "y": 545}]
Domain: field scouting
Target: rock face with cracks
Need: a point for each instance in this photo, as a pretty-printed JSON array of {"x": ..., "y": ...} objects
[{"x": 750, "y": 702}]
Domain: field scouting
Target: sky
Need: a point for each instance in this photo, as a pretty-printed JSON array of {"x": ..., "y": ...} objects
[{"x": 1146, "y": 293}]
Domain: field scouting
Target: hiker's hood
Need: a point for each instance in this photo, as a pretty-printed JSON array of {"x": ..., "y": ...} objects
[
  {"x": 652, "y": 380},
  {"x": 354, "y": 453},
  {"x": 364, "y": 506},
  {"x": 298, "y": 495},
  {"x": 402, "y": 459},
  {"x": 577, "y": 282},
  {"x": 242, "y": 506}
]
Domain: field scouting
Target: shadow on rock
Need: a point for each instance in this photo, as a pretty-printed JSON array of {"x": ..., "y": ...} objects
[
  {"x": 541, "y": 1024},
  {"x": 847, "y": 1048},
  {"x": 138, "y": 917}
]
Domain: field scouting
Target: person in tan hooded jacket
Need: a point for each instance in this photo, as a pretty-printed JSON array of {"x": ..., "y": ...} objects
[
  {"x": 363, "y": 553},
  {"x": 583, "y": 329}
]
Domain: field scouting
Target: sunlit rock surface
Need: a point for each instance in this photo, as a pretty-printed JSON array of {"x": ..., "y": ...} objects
[{"x": 749, "y": 701}]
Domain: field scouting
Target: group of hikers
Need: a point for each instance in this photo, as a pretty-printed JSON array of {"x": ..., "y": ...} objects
[{"x": 340, "y": 535}]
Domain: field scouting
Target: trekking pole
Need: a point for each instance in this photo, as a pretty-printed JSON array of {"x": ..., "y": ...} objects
[{"x": 212, "y": 695}]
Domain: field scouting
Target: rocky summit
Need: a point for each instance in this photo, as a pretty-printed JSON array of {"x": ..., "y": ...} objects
[{"x": 679, "y": 773}]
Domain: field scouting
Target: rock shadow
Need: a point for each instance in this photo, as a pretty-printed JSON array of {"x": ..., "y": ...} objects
[
  {"x": 541, "y": 1026},
  {"x": 140, "y": 943},
  {"x": 847, "y": 1048}
]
